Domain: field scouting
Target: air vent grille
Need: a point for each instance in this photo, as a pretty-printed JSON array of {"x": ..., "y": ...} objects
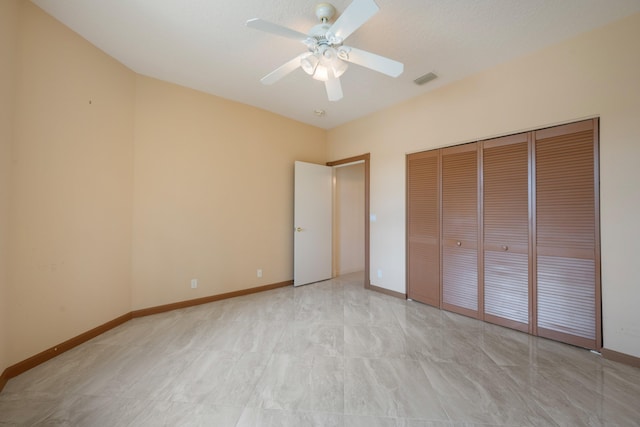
[{"x": 425, "y": 79}]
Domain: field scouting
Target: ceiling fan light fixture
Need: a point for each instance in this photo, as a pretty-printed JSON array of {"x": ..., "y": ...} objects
[
  {"x": 329, "y": 53},
  {"x": 309, "y": 64},
  {"x": 328, "y": 64},
  {"x": 343, "y": 53},
  {"x": 321, "y": 73},
  {"x": 329, "y": 69},
  {"x": 339, "y": 67}
]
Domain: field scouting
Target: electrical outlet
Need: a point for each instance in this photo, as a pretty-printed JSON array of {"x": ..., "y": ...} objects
[
  {"x": 259, "y": 272},
  {"x": 194, "y": 283}
]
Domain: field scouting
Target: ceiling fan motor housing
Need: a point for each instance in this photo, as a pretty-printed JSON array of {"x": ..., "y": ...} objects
[
  {"x": 320, "y": 39},
  {"x": 319, "y": 35},
  {"x": 319, "y": 32}
]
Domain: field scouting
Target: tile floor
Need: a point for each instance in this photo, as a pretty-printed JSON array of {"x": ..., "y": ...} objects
[{"x": 327, "y": 354}]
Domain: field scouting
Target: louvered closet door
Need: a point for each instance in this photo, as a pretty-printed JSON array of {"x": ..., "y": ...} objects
[
  {"x": 567, "y": 235},
  {"x": 505, "y": 167},
  {"x": 423, "y": 227},
  {"x": 460, "y": 229}
]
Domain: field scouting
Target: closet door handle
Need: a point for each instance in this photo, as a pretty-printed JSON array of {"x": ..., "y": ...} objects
[
  {"x": 459, "y": 243},
  {"x": 505, "y": 248}
]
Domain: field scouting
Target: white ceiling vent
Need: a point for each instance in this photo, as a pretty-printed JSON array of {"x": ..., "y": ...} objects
[{"x": 425, "y": 79}]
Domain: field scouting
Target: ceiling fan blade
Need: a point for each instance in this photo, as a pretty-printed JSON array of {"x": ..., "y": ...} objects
[
  {"x": 370, "y": 60},
  {"x": 283, "y": 70},
  {"x": 334, "y": 89},
  {"x": 276, "y": 29},
  {"x": 353, "y": 17}
]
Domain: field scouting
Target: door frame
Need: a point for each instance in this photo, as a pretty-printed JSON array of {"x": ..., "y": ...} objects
[{"x": 366, "y": 158}]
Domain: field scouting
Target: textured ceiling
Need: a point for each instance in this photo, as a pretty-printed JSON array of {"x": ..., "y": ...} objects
[{"x": 204, "y": 44}]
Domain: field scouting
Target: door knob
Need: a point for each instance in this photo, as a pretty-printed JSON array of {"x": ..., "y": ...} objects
[{"x": 298, "y": 229}]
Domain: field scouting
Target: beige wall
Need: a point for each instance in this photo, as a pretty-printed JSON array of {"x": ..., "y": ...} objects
[
  {"x": 213, "y": 193},
  {"x": 596, "y": 74},
  {"x": 349, "y": 219},
  {"x": 72, "y": 185},
  {"x": 8, "y": 36},
  {"x": 213, "y": 188},
  {"x": 116, "y": 204}
]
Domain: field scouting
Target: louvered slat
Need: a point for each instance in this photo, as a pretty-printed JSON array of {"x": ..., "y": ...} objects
[
  {"x": 460, "y": 278},
  {"x": 566, "y": 295},
  {"x": 506, "y": 286},
  {"x": 506, "y": 195},
  {"x": 565, "y": 191},
  {"x": 506, "y": 231},
  {"x": 460, "y": 229},
  {"x": 460, "y": 195},
  {"x": 566, "y": 235},
  {"x": 423, "y": 225}
]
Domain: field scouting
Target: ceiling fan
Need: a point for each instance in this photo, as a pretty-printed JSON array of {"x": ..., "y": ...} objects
[{"x": 326, "y": 57}]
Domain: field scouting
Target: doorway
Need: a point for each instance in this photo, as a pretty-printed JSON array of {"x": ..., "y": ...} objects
[{"x": 351, "y": 175}]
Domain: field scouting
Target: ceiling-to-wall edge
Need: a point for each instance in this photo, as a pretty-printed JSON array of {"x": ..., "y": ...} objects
[{"x": 594, "y": 74}]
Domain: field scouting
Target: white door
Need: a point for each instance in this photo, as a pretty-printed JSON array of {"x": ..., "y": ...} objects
[{"x": 312, "y": 223}]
